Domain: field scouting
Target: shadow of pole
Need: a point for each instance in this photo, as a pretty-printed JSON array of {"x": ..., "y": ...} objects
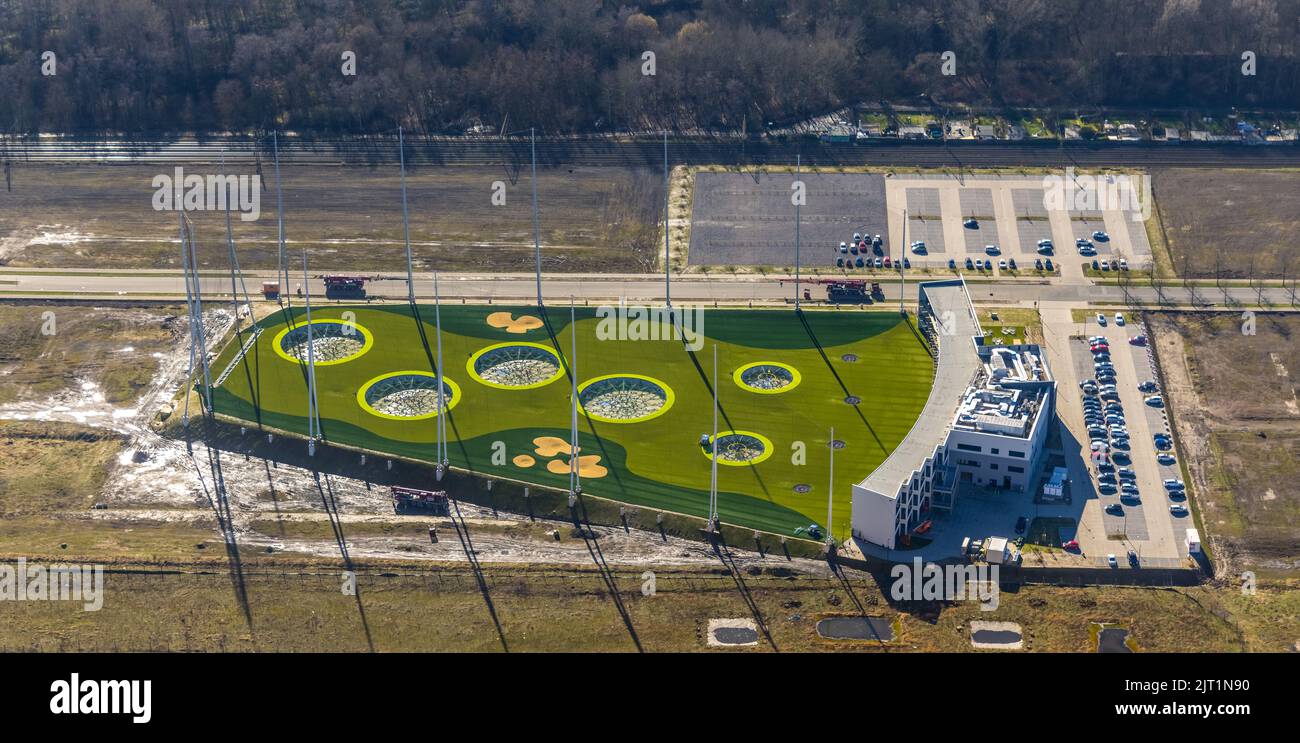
[
  {"x": 467, "y": 545},
  {"x": 721, "y": 549},
  {"x": 607, "y": 575}
]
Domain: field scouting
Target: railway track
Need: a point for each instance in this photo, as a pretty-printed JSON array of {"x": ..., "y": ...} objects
[{"x": 588, "y": 152}]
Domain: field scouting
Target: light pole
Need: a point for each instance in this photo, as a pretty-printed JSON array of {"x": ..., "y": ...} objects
[{"x": 406, "y": 227}]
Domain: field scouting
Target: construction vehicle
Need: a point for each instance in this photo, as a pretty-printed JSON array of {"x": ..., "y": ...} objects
[
  {"x": 877, "y": 293},
  {"x": 345, "y": 287},
  {"x": 407, "y": 500},
  {"x": 271, "y": 290},
  {"x": 843, "y": 291}
]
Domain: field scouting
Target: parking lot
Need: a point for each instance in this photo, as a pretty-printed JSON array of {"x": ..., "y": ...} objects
[
  {"x": 737, "y": 220},
  {"x": 1132, "y": 498},
  {"x": 1011, "y": 213}
]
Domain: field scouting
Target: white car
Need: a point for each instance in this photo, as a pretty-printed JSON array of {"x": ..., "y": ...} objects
[
  {"x": 1119, "y": 318},
  {"x": 1123, "y": 264},
  {"x": 1101, "y": 319},
  {"x": 1111, "y": 561},
  {"x": 992, "y": 249},
  {"x": 1155, "y": 401},
  {"x": 844, "y": 247}
]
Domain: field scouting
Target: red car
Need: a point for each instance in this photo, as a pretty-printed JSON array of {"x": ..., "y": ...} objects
[
  {"x": 886, "y": 261},
  {"x": 1072, "y": 545}
]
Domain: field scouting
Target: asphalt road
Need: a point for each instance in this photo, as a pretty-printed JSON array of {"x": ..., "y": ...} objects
[
  {"x": 649, "y": 152},
  {"x": 600, "y": 287}
]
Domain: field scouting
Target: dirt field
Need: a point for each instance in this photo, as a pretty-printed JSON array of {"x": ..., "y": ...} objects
[
  {"x": 51, "y": 352},
  {"x": 348, "y": 219},
  {"x": 1219, "y": 220},
  {"x": 1234, "y": 402},
  {"x": 545, "y": 609}
]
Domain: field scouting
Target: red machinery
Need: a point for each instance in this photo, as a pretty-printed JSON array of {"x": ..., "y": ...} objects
[
  {"x": 345, "y": 287},
  {"x": 427, "y": 501}
]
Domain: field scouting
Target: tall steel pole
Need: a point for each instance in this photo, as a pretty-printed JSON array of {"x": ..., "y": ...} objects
[
  {"x": 406, "y": 226},
  {"x": 798, "y": 161},
  {"x": 668, "y": 294},
  {"x": 200, "y": 334},
  {"x": 313, "y": 413},
  {"x": 713, "y": 474},
  {"x": 189, "y": 311},
  {"x": 282, "y": 267},
  {"x": 830, "y": 492},
  {"x": 575, "y": 477},
  {"x": 902, "y": 284},
  {"x": 443, "y": 460},
  {"x": 537, "y": 225}
]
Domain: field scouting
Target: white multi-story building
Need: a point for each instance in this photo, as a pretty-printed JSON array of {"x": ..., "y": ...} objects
[{"x": 985, "y": 425}]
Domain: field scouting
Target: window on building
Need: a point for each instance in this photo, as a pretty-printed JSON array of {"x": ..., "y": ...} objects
[
  {"x": 993, "y": 466},
  {"x": 1016, "y": 454},
  {"x": 1015, "y": 469},
  {"x": 993, "y": 451},
  {"x": 970, "y": 447}
]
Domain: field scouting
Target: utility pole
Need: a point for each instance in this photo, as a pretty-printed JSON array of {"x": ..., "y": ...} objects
[
  {"x": 537, "y": 225},
  {"x": 406, "y": 225}
]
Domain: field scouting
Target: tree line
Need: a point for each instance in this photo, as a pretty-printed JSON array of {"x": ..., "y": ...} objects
[{"x": 451, "y": 66}]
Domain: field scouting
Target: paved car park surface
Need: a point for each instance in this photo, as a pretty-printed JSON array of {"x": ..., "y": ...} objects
[
  {"x": 741, "y": 219},
  {"x": 737, "y": 220},
  {"x": 1145, "y": 523}
]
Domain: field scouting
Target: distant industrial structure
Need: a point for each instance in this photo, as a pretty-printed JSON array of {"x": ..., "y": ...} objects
[{"x": 985, "y": 424}]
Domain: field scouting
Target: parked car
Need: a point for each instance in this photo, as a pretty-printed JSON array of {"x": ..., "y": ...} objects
[
  {"x": 971, "y": 224},
  {"x": 1002, "y": 264},
  {"x": 1047, "y": 265},
  {"x": 1101, "y": 236},
  {"x": 1155, "y": 401},
  {"x": 1123, "y": 264},
  {"x": 1013, "y": 264},
  {"x": 1119, "y": 319},
  {"x": 1115, "y": 509},
  {"x": 969, "y": 263},
  {"x": 844, "y": 248},
  {"x": 952, "y": 263},
  {"x": 1138, "y": 340},
  {"x": 1101, "y": 319},
  {"x": 1111, "y": 561},
  {"x": 1173, "y": 483},
  {"x": 1178, "y": 509},
  {"x": 1165, "y": 459},
  {"x": 992, "y": 249},
  {"x": 988, "y": 265}
]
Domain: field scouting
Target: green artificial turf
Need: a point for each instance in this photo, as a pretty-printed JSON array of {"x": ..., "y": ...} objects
[{"x": 657, "y": 463}]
